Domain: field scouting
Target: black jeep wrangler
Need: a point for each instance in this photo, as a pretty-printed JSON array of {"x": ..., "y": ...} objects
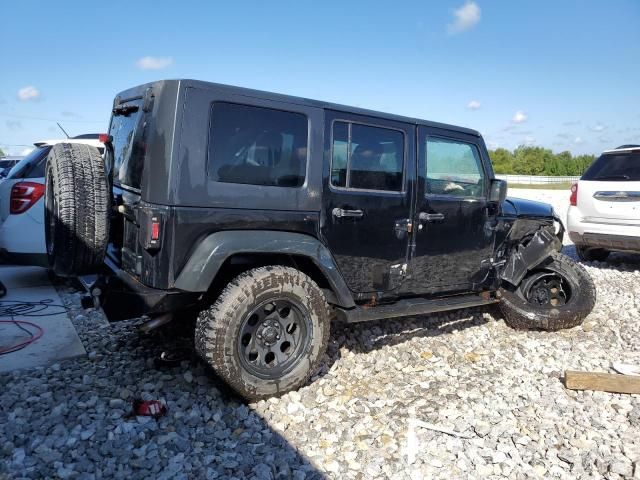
[{"x": 271, "y": 215}]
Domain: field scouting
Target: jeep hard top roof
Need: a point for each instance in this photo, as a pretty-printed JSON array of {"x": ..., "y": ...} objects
[{"x": 138, "y": 91}]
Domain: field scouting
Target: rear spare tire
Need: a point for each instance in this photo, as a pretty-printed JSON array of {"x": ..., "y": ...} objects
[
  {"x": 77, "y": 206},
  {"x": 557, "y": 294}
]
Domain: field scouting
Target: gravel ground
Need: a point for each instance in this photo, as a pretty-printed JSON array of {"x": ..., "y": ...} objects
[{"x": 500, "y": 390}]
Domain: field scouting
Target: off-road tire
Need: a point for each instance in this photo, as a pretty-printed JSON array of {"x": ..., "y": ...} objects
[
  {"x": 77, "y": 208},
  {"x": 587, "y": 254},
  {"x": 218, "y": 329},
  {"x": 521, "y": 314}
]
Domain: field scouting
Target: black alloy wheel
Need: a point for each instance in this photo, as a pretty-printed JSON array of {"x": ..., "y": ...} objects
[{"x": 273, "y": 338}]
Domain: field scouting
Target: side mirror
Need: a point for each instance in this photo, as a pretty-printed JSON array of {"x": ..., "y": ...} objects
[{"x": 498, "y": 191}]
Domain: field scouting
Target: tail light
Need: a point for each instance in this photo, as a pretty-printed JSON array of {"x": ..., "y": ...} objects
[
  {"x": 573, "y": 198},
  {"x": 24, "y": 195}
]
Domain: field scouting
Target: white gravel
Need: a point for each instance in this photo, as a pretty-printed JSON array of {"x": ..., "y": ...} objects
[{"x": 467, "y": 372}]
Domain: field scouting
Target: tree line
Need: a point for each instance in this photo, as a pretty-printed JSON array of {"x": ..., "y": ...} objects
[{"x": 538, "y": 161}]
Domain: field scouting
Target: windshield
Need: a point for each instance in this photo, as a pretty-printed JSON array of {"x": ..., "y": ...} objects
[
  {"x": 615, "y": 167},
  {"x": 25, "y": 164}
]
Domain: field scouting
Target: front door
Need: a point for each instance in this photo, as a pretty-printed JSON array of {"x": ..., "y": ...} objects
[
  {"x": 454, "y": 236},
  {"x": 368, "y": 180}
]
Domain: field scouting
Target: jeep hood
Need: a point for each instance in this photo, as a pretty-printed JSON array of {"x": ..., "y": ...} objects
[{"x": 519, "y": 207}]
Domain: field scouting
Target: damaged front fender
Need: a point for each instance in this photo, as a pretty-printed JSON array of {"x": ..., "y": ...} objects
[{"x": 524, "y": 258}]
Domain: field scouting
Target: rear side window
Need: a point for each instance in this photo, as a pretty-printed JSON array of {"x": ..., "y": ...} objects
[
  {"x": 257, "y": 146},
  {"x": 365, "y": 157},
  {"x": 615, "y": 167},
  {"x": 31, "y": 166}
]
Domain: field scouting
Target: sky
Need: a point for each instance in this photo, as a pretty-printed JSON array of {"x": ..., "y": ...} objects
[{"x": 564, "y": 75}]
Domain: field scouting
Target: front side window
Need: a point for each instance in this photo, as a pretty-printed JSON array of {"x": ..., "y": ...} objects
[
  {"x": 367, "y": 158},
  {"x": 453, "y": 168},
  {"x": 257, "y": 146}
]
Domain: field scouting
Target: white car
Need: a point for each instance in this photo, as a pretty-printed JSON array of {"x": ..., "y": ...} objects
[
  {"x": 604, "y": 211},
  {"x": 22, "y": 205}
]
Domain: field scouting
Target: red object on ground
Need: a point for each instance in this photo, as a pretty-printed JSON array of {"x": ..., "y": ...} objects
[
  {"x": 149, "y": 408},
  {"x": 22, "y": 344}
]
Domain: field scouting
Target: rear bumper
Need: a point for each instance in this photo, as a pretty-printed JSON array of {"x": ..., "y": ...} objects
[
  {"x": 602, "y": 235},
  {"x": 609, "y": 242},
  {"x": 123, "y": 297}
]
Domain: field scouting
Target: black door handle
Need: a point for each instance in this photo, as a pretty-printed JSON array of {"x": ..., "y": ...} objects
[
  {"x": 342, "y": 213},
  {"x": 430, "y": 217}
]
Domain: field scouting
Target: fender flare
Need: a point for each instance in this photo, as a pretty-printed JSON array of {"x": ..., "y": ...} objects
[{"x": 205, "y": 261}]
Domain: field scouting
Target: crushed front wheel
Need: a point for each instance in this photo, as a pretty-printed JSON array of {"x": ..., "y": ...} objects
[{"x": 557, "y": 294}]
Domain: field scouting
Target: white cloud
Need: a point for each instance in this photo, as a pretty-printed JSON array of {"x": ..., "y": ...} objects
[
  {"x": 519, "y": 117},
  {"x": 473, "y": 105},
  {"x": 154, "y": 63},
  {"x": 26, "y": 151},
  {"x": 466, "y": 17},
  {"x": 528, "y": 141},
  {"x": 578, "y": 140},
  {"x": 598, "y": 128},
  {"x": 28, "y": 93}
]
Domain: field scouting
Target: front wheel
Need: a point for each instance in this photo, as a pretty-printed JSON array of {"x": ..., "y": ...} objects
[
  {"x": 557, "y": 294},
  {"x": 266, "y": 333}
]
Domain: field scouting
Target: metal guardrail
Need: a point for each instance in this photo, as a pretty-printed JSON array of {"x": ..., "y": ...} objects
[{"x": 536, "y": 179}]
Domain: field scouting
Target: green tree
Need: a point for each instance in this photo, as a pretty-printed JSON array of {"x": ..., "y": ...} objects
[
  {"x": 1, "y": 153},
  {"x": 502, "y": 160},
  {"x": 529, "y": 160}
]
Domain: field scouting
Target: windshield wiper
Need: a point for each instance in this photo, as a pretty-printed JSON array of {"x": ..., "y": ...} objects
[{"x": 613, "y": 177}]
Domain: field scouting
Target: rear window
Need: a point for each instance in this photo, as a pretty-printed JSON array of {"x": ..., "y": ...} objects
[
  {"x": 257, "y": 146},
  {"x": 615, "y": 167},
  {"x": 127, "y": 157}
]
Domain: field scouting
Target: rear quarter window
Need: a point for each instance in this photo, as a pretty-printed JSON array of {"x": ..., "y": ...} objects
[
  {"x": 257, "y": 145},
  {"x": 615, "y": 167}
]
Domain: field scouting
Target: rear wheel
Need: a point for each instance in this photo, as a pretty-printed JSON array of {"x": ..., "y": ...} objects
[
  {"x": 77, "y": 208},
  {"x": 266, "y": 333},
  {"x": 588, "y": 254},
  {"x": 555, "y": 295}
]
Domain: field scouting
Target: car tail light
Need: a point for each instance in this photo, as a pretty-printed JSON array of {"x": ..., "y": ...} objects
[
  {"x": 573, "y": 198},
  {"x": 104, "y": 138},
  {"x": 24, "y": 195}
]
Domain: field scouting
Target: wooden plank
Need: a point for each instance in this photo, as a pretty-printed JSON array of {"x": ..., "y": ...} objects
[{"x": 602, "y": 382}]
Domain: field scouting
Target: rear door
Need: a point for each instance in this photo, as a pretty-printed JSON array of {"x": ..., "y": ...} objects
[
  {"x": 368, "y": 181},
  {"x": 609, "y": 191},
  {"x": 454, "y": 238}
]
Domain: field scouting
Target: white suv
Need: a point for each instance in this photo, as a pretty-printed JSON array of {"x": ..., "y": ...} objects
[{"x": 604, "y": 214}]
